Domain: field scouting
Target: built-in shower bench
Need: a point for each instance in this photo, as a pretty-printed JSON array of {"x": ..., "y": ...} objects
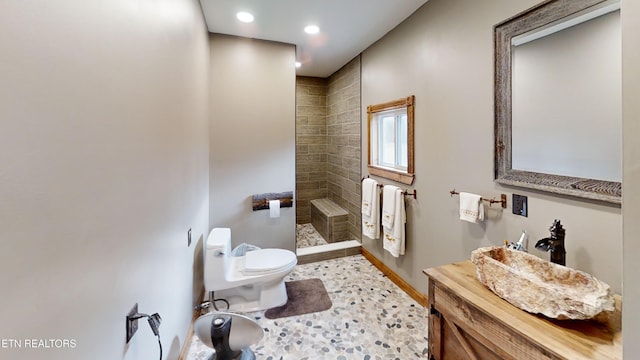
[{"x": 330, "y": 220}]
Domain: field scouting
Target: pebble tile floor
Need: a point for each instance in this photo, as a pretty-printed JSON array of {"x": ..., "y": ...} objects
[
  {"x": 306, "y": 235},
  {"x": 371, "y": 318}
]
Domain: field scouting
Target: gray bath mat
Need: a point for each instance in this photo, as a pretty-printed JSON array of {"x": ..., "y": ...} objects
[{"x": 305, "y": 297}]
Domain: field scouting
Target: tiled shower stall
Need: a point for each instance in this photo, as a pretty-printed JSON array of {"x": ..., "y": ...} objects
[{"x": 328, "y": 136}]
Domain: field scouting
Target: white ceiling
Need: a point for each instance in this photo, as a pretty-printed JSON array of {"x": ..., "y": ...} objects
[{"x": 347, "y": 27}]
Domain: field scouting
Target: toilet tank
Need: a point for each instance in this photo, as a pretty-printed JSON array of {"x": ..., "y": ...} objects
[{"x": 217, "y": 254}]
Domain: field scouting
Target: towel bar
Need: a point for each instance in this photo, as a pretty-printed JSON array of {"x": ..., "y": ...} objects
[
  {"x": 405, "y": 192},
  {"x": 503, "y": 199}
]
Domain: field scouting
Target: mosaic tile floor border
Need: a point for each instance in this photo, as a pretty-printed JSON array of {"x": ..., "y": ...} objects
[
  {"x": 307, "y": 235},
  {"x": 371, "y": 318}
]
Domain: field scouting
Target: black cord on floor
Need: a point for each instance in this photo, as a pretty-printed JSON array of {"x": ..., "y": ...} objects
[
  {"x": 213, "y": 300},
  {"x": 160, "y": 345},
  {"x": 154, "y": 323},
  {"x": 223, "y": 300}
]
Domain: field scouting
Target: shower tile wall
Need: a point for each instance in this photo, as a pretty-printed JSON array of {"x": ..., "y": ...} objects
[
  {"x": 343, "y": 145},
  {"x": 328, "y": 143},
  {"x": 311, "y": 144}
]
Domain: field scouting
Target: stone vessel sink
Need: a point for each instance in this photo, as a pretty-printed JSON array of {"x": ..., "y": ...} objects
[{"x": 539, "y": 286}]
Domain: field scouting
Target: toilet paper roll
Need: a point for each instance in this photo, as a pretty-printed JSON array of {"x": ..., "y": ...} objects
[{"x": 274, "y": 208}]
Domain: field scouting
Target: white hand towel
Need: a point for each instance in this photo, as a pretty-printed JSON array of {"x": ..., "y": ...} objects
[
  {"x": 388, "y": 205},
  {"x": 369, "y": 190},
  {"x": 394, "y": 237},
  {"x": 371, "y": 223},
  {"x": 471, "y": 207}
]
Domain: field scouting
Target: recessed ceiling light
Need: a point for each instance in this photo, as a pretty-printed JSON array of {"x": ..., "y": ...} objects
[
  {"x": 312, "y": 29},
  {"x": 298, "y": 64},
  {"x": 244, "y": 17}
]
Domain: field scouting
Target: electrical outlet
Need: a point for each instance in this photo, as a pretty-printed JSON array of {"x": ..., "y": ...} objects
[
  {"x": 132, "y": 324},
  {"x": 189, "y": 238},
  {"x": 519, "y": 205}
]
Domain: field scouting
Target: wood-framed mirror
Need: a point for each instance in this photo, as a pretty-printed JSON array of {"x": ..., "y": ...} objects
[
  {"x": 390, "y": 134},
  {"x": 597, "y": 174}
]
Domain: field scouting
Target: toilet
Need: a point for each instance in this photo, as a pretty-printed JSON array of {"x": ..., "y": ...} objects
[{"x": 247, "y": 283}]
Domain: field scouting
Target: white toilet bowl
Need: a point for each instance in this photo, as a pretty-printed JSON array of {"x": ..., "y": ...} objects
[{"x": 251, "y": 282}]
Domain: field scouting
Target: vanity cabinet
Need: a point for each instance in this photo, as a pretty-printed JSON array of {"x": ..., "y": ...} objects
[{"x": 468, "y": 321}]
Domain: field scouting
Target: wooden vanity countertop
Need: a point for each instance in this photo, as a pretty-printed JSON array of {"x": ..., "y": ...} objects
[{"x": 569, "y": 339}]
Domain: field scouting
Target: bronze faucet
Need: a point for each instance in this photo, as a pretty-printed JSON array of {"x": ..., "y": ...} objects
[{"x": 554, "y": 243}]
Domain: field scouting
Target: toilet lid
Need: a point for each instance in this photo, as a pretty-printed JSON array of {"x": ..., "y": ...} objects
[{"x": 268, "y": 259}]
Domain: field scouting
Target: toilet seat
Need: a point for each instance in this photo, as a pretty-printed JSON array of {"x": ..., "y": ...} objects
[{"x": 267, "y": 260}]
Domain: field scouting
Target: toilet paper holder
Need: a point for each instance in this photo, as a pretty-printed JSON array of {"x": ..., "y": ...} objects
[{"x": 261, "y": 201}]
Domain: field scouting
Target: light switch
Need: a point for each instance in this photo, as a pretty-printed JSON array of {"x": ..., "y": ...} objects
[{"x": 519, "y": 205}]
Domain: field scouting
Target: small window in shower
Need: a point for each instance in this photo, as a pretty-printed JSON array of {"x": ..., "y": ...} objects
[{"x": 391, "y": 140}]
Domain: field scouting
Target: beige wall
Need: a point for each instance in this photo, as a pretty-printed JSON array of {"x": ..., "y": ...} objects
[
  {"x": 631, "y": 178},
  {"x": 104, "y": 153},
  {"x": 443, "y": 54},
  {"x": 252, "y": 137}
]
